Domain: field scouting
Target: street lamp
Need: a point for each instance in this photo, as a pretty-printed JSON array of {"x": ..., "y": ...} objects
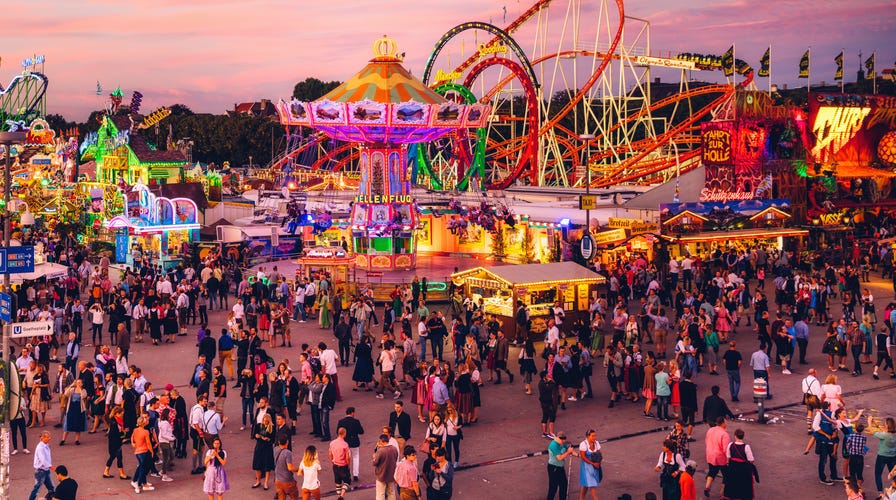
[
  {"x": 587, "y": 138},
  {"x": 7, "y": 139}
]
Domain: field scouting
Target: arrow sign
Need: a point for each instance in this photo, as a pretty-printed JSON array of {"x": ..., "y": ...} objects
[
  {"x": 31, "y": 329},
  {"x": 17, "y": 260}
]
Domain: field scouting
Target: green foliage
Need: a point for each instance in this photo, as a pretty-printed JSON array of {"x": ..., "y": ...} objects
[
  {"x": 499, "y": 242},
  {"x": 311, "y": 89}
]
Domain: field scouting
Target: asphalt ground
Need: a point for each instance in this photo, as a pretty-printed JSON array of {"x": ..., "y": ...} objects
[{"x": 503, "y": 455}]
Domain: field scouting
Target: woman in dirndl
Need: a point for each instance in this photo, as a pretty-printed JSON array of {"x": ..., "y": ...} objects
[
  {"x": 590, "y": 472},
  {"x": 216, "y": 483},
  {"x": 264, "y": 320},
  {"x": 463, "y": 394}
]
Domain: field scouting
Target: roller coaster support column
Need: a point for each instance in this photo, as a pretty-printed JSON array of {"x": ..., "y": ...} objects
[{"x": 587, "y": 138}]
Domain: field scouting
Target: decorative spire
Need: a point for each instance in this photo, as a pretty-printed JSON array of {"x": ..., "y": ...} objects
[{"x": 384, "y": 49}]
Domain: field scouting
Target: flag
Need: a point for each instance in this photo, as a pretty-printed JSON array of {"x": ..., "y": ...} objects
[
  {"x": 728, "y": 62},
  {"x": 869, "y": 68},
  {"x": 804, "y": 65},
  {"x": 839, "y": 61},
  {"x": 765, "y": 64}
]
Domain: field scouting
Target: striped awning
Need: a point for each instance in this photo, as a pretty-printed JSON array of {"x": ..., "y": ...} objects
[{"x": 384, "y": 80}]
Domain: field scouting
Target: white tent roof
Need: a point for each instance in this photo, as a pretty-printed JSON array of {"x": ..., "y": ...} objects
[
  {"x": 689, "y": 187},
  {"x": 532, "y": 273},
  {"x": 50, "y": 270}
]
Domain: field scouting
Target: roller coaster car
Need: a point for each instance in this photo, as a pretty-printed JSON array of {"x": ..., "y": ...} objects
[
  {"x": 448, "y": 112},
  {"x": 410, "y": 113},
  {"x": 365, "y": 114},
  {"x": 474, "y": 115}
]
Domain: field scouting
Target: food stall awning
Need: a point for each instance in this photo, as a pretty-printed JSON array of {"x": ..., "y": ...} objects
[
  {"x": 49, "y": 270},
  {"x": 533, "y": 274},
  {"x": 739, "y": 234}
]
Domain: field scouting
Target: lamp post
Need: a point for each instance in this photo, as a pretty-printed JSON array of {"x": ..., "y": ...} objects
[
  {"x": 587, "y": 138},
  {"x": 7, "y": 139}
]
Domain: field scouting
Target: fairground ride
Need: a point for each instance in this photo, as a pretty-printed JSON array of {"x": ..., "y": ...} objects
[
  {"x": 24, "y": 98},
  {"x": 556, "y": 72}
]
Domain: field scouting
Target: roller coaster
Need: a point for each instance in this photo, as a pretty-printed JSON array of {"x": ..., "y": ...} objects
[
  {"x": 24, "y": 98},
  {"x": 587, "y": 72}
]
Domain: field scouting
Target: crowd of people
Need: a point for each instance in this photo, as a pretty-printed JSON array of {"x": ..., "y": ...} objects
[{"x": 660, "y": 331}]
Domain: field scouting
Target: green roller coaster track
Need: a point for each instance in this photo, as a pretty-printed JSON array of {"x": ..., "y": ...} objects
[{"x": 424, "y": 163}]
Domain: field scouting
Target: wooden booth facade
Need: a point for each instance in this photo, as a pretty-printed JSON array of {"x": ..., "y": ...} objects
[{"x": 538, "y": 286}]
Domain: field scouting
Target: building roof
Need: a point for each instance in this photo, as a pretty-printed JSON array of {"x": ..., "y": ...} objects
[
  {"x": 191, "y": 190},
  {"x": 141, "y": 148},
  {"x": 263, "y": 107},
  {"x": 525, "y": 274},
  {"x": 689, "y": 187}
]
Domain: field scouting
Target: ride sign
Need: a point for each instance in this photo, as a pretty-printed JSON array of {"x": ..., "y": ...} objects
[{"x": 15, "y": 260}]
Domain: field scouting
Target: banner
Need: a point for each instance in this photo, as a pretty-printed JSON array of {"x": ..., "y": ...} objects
[
  {"x": 869, "y": 68},
  {"x": 728, "y": 62},
  {"x": 765, "y": 64},
  {"x": 839, "y": 61},
  {"x": 804, "y": 65}
]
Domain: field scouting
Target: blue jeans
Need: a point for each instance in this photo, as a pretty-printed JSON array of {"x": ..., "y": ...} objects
[
  {"x": 662, "y": 407},
  {"x": 41, "y": 476},
  {"x": 764, "y": 375},
  {"x": 422, "y": 341},
  {"x": 879, "y": 463},
  {"x": 247, "y": 410},
  {"x": 299, "y": 309},
  {"x": 437, "y": 346},
  {"x": 142, "y": 468},
  {"x": 734, "y": 383},
  {"x": 361, "y": 325}
]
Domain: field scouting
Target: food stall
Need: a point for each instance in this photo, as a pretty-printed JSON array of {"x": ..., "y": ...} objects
[
  {"x": 538, "y": 286},
  {"x": 338, "y": 264}
]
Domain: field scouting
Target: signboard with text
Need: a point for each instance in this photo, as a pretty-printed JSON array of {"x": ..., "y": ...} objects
[
  {"x": 15, "y": 260},
  {"x": 31, "y": 329}
]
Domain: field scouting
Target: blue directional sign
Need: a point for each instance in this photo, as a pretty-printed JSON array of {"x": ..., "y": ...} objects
[
  {"x": 15, "y": 260},
  {"x": 5, "y": 307}
]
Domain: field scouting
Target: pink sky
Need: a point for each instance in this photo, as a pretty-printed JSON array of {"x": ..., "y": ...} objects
[{"x": 210, "y": 54}]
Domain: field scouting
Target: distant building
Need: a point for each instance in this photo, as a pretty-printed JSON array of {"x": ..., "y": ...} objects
[{"x": 263, "y": 108}]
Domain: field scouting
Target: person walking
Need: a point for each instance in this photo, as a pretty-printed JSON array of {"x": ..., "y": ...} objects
[
  {"x": 590, "y": 472},
  {"x": 812, "y": 395},
  {"x": 886, "y": 451},
  {"x": 43, "y": 464},
  {"x": 717, "y": 441},
  {"x": 400, "y": 424},
  {"x": 733, "y": 359},
  {"x": 741, "y": 470},
  {"x": 558, "y": 451},
  {"x": 549, "y": 398},
  {"x": 341, "y": 458},
  {"x": 385, "y": 459},
  {"x": 216, "y": 483},
  {"x": 143, "y": 450},
  {"x": 115, "y": 434},
  {"x": 309, "y": 469},
  {"x": 67, "y": 489},
  {"x": 760, "y": 363},
  {"x": 407, "y": 476},
  {"x": 440, "y": 477},
  {"x": 353, "y": 431},
  {"x": 670, "y": 465},
  {"x": 284, "y": 480},
  {"x": 501, "y": 355}
]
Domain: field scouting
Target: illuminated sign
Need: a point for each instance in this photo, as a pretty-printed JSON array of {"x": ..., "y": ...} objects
[
  {"x": 33, "y": 61},
  {"x": 587, "y": 202},
  {"x": 443, "y": 76},
  {"x": 667, "y": 63},
  {"x": 611, "y": 236},
  {"x": 156, "y": 116},
  {"x": 622, "y": 223},
  {"x": 831, "y": 218},
  {"x": 120, "y": 139},
  {"x": 383, "y": 198},
  {"x": 485, "y": 50},
  {"x": 716, "y": 194},
  {"x": 716, "y": 146},
  {"x": 40, "y": 133},
  {"x": 89, "y": 140},
  {"x": 834, "y": 127}
]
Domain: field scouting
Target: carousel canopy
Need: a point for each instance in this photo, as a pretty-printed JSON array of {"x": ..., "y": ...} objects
[{"x": 383, "y": 103}]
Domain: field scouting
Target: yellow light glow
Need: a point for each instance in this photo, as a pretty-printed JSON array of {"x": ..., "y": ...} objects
[{"x": 834, "y": 127}]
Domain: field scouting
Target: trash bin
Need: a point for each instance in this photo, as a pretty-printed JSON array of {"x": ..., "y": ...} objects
[{"x": 760, "y": 388}]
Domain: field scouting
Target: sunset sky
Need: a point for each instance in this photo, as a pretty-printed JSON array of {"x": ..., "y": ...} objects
[{"x": 209, "y": 54}]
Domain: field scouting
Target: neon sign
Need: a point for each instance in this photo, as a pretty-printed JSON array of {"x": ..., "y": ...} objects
[
  {"x": 90, "y": 140},
  {"x": 834, "y": 127},
  {"x": 120, "y": 139},
  {"x": 33, "y": 61},
  {"x": 716, "y": 194},
  {"x": 716, "y": 146},
  {"x": 485, "y": 50},
  {"x": 383, "y": 198},
  {"x": 443, "y": 76}
]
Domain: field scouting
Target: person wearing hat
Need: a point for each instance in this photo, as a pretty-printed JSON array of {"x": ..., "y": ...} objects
[
  {"x": 558, "y": 451},
  {"x": 686, "y": 481}
]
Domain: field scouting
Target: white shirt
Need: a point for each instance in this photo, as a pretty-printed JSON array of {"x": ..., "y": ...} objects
[
  {"x": 328, "y": 359},
  {"x": 554, "y": 336},
  {"x": 166, "y": 432},
  {"x": 196, "y": 414},
  {"x": 310, "y": 480},
  {"x": 238, "y": 311},
  {"x": 687, "y": 264},
  {"x": 42, "y": 458},
  {"x": 812, "y": 385},
  {"x": 421, "y": 329}
]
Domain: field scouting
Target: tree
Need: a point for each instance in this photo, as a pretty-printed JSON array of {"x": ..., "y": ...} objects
[
  {"x": 528, "y": 246},
  {"x": 311, "y": 89},
  {"x": 499, "y": 242}
]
